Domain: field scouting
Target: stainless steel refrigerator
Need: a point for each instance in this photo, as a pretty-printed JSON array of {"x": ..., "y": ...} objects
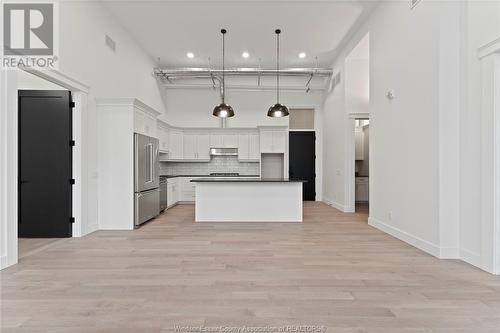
[{"x": 146, "y": 178}]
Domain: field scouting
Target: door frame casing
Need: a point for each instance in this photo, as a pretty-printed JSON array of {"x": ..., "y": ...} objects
[
  {"x": 350, "y": 164},
  {"x": 9, "y": 193},
  {"x": 489, "y": 57}
]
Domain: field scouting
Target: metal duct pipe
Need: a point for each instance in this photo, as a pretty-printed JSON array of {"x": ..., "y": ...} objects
[{"x": 193, "y": 72}]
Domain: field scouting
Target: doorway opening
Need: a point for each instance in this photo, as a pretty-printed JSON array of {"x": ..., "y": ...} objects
[
  {"x": 361, "y": 165},
  {"x": 302, "y": 150},
  {"x": 357, "y": 102},
  {"x": 45, "y": 163}
]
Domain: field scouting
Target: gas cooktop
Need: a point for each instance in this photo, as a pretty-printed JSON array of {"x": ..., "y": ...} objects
[{"x": 225, "y": 174}]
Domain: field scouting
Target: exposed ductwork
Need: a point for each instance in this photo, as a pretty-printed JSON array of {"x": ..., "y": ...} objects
[{"x": 168, "y": 76}]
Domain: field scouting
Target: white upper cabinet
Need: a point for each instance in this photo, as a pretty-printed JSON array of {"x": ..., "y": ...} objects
[
  {"x": 196, "y": 146},
  {"x": 273, "y": 141},
  {"x": 144, "y": 121},
  {"x": 176, "y": 148},
  {"x": 162, "y": 132},
  {"x": 190, "y": 147},
  {"x": 203, "y": 146},
  {"x": 254, "y": 147},
  {"x": 230, "y": 140},
  {"x": 359, "y": 144},
  {"x": 248, "y": 146},
  {"x": 266, "y": 141},
  {"x": 279, "y": 141},
  {"x": 243, "y": 147},
  {"x": 216, "y": 141}
]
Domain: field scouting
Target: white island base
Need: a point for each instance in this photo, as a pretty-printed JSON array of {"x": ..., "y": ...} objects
[{"x": 248, "y": 201}]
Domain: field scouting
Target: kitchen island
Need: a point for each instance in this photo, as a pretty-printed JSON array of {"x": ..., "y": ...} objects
[{"x": 239, "y": 199}]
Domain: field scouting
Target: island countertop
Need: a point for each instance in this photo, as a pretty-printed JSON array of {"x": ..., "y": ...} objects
[{"x": 246, "y": 180}]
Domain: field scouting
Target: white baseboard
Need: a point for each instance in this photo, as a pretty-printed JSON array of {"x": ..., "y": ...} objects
[
  {"x": 91, "y": 228},
  {"x": 449, "y": 253},
  {"x": 405, "y": 237},
  {"x": 334, "y": 204},
  {"x": 471, "y": 257}
]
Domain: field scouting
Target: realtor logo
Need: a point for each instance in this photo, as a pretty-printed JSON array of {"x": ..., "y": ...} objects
[{"x": 29, "y": 35}]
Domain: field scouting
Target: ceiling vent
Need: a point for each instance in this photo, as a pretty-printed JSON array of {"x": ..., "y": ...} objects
[
  {"x": 414, "y": 3},
  {"x": 110, "y": 43}
]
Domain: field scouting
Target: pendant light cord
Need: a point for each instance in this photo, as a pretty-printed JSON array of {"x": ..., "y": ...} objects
[
  {"x": 223, "y": 31},
  {"x": 278, "y": 65}
]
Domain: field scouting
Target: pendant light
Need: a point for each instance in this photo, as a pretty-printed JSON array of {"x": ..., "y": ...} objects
[
  {"x": 278, "y": 110},
  {"x": 223, "y": 110}
]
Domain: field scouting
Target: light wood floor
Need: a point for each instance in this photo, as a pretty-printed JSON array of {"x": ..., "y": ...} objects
[{"x": 332, "y": 270}]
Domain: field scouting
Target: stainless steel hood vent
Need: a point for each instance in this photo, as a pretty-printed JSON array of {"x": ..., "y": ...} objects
[{"x": 224, "y": 151}]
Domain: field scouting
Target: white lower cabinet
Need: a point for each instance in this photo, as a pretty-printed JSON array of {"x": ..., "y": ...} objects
[
  {"x": 362, "y": 189},
  {"x": 187, "y": 189},
  {"x": 172, "y": 191}
]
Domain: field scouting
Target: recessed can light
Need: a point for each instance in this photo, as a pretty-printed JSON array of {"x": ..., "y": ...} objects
[
  {"x": 245, "y": 55},
  {"x": 302, "y": 55},
  {"x": 190, "y": 55}
]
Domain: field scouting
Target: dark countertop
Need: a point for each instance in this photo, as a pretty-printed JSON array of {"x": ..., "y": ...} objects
[
  {"x": 205, "y": 176},
  {"x": 246, "y": 180}
]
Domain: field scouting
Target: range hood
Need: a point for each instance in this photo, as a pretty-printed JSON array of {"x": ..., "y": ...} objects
[{"x": 224, "y": 151}]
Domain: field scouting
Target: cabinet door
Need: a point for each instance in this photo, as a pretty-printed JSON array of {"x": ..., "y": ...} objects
[
  {"x": 139, "y": 122},
  {"x": 243, "y": 147},
  {"x": 150, "y": 125},
  {"x": 175, "y": 141},
  {"x": 189, "y": 145},
  {"x": 254, "y": 147},
  {"x": 266, "y": 142},
  {"x": 170, "y": 195},
  {"x": 279, "y": 141},
  {"x": 203, "y": 147},
  {"x": 163, "y": 137},
  {"x": 216, "y": 141},
  {"x": 230, "y": 140},
  {"x": 358, "y": 146}
]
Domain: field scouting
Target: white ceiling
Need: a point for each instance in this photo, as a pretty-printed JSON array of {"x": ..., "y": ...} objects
[{"x": 169, "y": 29}]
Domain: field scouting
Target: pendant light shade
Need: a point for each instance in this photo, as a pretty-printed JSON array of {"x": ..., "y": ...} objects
[
  {"x": 278, "y": 109},
  {"x": 223, "y": 110}
]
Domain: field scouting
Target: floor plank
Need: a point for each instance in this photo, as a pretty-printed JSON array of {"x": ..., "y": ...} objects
[{"x": 332, "y": 270}]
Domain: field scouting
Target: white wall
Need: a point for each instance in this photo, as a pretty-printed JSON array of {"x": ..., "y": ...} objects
[
  {"x": 124, "y": 73},
  {"x": 431, "y": 147},
  {"x": 85, "y": 58},
  {"x": 404, "y": 161},
  {"x": 29, "y": 81}
]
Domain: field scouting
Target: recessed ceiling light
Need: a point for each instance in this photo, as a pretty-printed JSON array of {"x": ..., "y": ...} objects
[
  {"x": 190, "y": 55},
  {"x": 302, "y": 55},
  {"x": 245, "y": 55}
]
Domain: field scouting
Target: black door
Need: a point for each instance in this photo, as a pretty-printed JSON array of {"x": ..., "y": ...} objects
[
  {"x": 302, "y": 161},
  {"x": 45, "y": 163}
]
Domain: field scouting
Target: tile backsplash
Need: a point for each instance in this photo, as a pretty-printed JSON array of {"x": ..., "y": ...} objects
[{"x": 216, "y": 164}]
